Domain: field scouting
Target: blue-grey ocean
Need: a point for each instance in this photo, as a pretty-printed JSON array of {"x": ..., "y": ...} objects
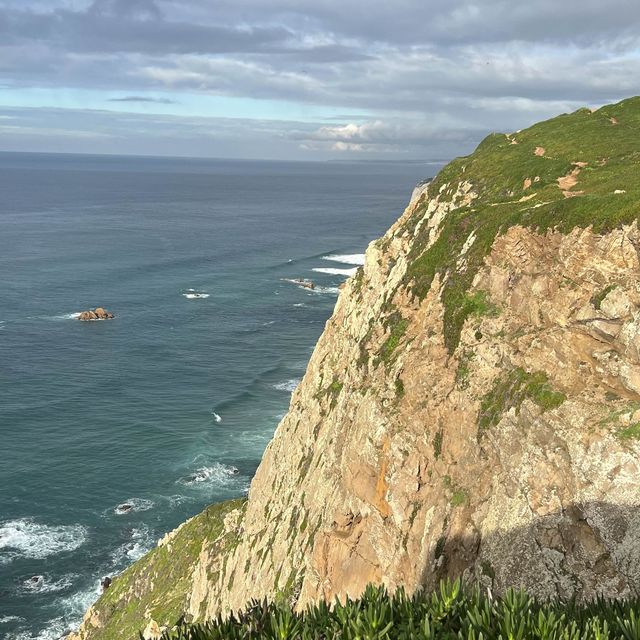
[{"x": 169, "y": 406}]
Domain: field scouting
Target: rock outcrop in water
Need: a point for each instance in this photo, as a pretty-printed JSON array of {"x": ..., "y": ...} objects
[
  {"x": 471, "y": 409},
  {"x": 96, "y": 314}
]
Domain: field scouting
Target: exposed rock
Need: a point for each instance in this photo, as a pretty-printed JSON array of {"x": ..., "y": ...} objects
[
  {"x": 301, "y": 282},
  {"x": 96, "y": 314},
  {"x": 123, "y": 508},
  {"x": 152, "y": 631}
]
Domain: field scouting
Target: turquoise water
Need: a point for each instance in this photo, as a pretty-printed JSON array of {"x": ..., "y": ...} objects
[{"x": 169, "y": 406}]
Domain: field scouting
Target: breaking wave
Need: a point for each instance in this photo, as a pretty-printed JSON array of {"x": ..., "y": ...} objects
[
  {"x": 217, "y": 474},
  {"x": 141, "y": 541},
  {"x": 288, "y": 385},
  {"x": 25, "y": 538},
  {"x": 352, "y": 258},
  {"x": 335, "y": 272},
  {"x": 44, "y": 584}
]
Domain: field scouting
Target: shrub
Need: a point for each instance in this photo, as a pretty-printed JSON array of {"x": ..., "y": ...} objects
[{"x": 452, "y": 611}]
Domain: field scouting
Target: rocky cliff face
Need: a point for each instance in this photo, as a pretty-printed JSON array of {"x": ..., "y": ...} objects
[{"x": 472, "y": 407}]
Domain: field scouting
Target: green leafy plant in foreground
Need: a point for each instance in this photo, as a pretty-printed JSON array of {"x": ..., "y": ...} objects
[{"x": 452, "y": 611}]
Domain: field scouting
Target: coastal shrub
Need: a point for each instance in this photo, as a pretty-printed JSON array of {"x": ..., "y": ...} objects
[{"x": 452, "y": 611}]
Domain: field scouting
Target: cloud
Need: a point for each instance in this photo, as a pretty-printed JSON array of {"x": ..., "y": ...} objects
[
  {"x": 428, "y": 72},
  {"x": 143, "y": 99},
  {"x": 402, "y": 138}
]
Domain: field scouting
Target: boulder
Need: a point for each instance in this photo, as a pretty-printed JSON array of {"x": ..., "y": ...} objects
[{"x": 99, "y": 313}]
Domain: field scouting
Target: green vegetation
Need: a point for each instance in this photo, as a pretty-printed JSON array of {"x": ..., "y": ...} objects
[
  {"x": 399, "y": 388},
  {"x": 477, "y": 304},
  {"x": 358, "y": 280},
  {"x": 332, "y": 392},
  {"x": 515, "y": 186},
  {"x": 464, "y": 369},
  {"x": 459, "y": 496},
  {"x": 437, "y": 444},
  {"x": 632, "y": 432},
  {"x": 397, "y": 326},
  {"x": 597, "y": 299},
  {"x": 615, "y": 418},
  {"x": 510, "y": 390},
  {"x": 451, "y": 612},
  {"x": 160, "y": 581}
]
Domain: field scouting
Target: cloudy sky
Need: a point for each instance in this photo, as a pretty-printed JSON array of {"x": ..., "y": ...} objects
[{"x": 303, "y": 79}]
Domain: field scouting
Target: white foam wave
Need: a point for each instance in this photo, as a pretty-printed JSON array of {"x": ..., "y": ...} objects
[
  {"x": 141, "y": 541},
  {"x": 195, "y": 296},
  {"x": 68, "y": 316},
  {"x": 177, "y": 500},
  {"x": 330, "y": 290},
  {"x": 44, "y": 584},
  {"x": 299, "y": 304},
  {"x": 288, "y": 385},
  {"x": 7, "y": 619},
  {"x": 335, "y": 272},
  {"x": 55, "y": 629},
  {"x": 351, "y": 258},
  {"x": 216, "y": 474},
  {"x": 132, "y": 505},
  {"x": 28, "y": 539},
  {"x": 216, "y": 417},
  {"x": 72, "y": 608}
]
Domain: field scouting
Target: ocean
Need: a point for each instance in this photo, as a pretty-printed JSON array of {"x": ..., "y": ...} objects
[{"x": 114, "y": 432}]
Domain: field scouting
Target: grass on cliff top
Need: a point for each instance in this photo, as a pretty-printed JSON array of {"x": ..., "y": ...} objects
[
  {"x": 452, "y": 612},
  {"x": 159, "y": 583},
  {"x": 605, "y": 196}
]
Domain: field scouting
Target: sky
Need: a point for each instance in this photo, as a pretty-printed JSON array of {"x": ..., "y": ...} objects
[{"x": 350, "y": 80}]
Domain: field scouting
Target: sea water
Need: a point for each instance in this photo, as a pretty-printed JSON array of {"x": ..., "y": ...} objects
[{"x": 114, "y": 432}]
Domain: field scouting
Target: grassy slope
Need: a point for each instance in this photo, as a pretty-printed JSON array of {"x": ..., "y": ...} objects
[
  {"x": 607, "y": 140},
  {"x": 159, "y": 582}
]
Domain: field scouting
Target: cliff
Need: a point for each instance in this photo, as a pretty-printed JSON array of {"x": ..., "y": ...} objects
[{"x": 471, "y": 409}]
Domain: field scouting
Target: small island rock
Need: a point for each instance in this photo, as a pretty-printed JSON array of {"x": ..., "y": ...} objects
[{"x": 96, "y": 314}]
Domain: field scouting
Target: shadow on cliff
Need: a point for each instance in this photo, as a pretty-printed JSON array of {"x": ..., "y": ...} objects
[{"x": 582, "y": 550}]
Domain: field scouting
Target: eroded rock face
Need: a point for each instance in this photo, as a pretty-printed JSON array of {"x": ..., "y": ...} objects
[
  {"x": 386, "y": 471},
  {"x": 95, "y": 314}
]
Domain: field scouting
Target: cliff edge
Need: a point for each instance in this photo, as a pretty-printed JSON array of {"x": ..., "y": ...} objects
[{"x": 471, "y": 409}]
